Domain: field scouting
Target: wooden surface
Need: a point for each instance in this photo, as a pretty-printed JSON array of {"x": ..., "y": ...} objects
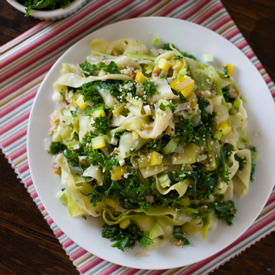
[{"x": 28, "y": 246}]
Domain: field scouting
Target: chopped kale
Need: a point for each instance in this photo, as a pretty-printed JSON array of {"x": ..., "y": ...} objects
[
  {"x": 171, "y": 105},
  {"x": 180, "y": 235},
  {"x": 93, "y": 69},
  {"x": 253, "y": 163},
  {"x": 223, "y": 167},
  {"x": 157, "y": 144},
  {"x": 127, "y": 237},
  {"x": 101, "y": 124},
  {"x": 44, "y": 5},
  {"x": 90, "y": 91},
  {"x": 96, "y": 196},
  {"x": 74, "y": 113},
  {"x": 56, "y": 147},
  {"x": 150, "y": 88},
  {"x": 225, "y": 210},
  {"x": 72, "y": 157},
  {"x": 226, "y": 95},
  {"x": 242, "y": 161},
  {"x": 225, "y": 72},
  {"x": 95, "y": 107},
  {"x": 171, "y": 47}
]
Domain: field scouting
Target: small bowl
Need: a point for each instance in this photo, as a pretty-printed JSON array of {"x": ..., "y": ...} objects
[{"x": 51, "y": 14}]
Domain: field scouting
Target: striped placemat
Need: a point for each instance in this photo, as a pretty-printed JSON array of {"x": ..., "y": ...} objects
[{"x": 24, "y": 63}]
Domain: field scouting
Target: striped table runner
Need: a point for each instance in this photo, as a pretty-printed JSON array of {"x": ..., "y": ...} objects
[{"x": 24, "y": 63}]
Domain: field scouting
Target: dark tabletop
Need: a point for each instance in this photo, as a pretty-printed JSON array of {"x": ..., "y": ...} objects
[{"x": 27, "y": 244}]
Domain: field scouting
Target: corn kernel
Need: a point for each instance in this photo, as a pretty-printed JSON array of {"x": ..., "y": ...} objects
[
  {"x": 124, "y": 224},
  {"x": 183, "y": 85},
  {"x": 155, "y": 158},
  {"x": 163, "y": 64},
  {"x": 98, "y": 142},
  {"x": 225, "y": 128},
  {"x": 230, "y": 68},
  {"x": 118, "y": 172},
  {"x": 140, "y": 77},
  {"x": 178, "y": 65},
  {"x": 80, "y": 102}
]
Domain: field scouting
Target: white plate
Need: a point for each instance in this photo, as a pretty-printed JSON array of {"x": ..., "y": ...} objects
[{"x": 193, "y": 39}]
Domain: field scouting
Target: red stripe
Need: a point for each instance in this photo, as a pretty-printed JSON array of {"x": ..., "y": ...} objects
[
  {"x": 23, "y": 168},
  {"x": 22, "y": 35},
  {"x": 67, "y": 39},
  {"x": 18, "y": 153},
  {"x": 250, "y": 54},
  {"x": 14, "y": 123},
  {"x": 242, "y": 44},
  {"x": 110, "y": 270},
  {"x": 172, "y": 7},
  {"x": 16, "y": 104},
  {"x": 56, "y": 31},
  {"x": 158, "y": 272},
  {"x": 259, "y": 66},
  {"x": 142, "y": 9},
  {"x": 195, "y": 9},
  {"x": 209, "y": 13},
  {"x": 34, "y": 194},
  {"x": 89, "y": 265},
  {"x": 131, "y": 271},
  {"x": 59, "y": 233},
  {"x": 49, "y": 221},
  {"x": 248, "y": 233},
  {"x": 78, "y": 254},
  {"x": 14, "y": 138},
  {"x": 41, "y": 207},
  {"x": 28, "y": 183},
  {"x": 67, "y": 243},
  {"x": 232, "y": 33},
  {"x": 26, "y": 81},
  {"x": 220, "y": 23}
]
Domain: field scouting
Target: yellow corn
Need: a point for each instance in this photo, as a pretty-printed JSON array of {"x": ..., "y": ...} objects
[
  {"x": 230, "y": 68},
  {"x": 80, "y": 102},
  {"x": 117, "y": 172},
  {"x": 156, "y": 158},
  {"x": 183, "y": 85},
  {"x": 124, "y": 224},
  {"x": 99, "y": 113},
  {"x": 225, "y": 128},
  {"x": 140, "y": 77},
  {"x": 163, "y": 64},
  {"x": 98, "y": 142},
  {"x": 178, "y": 65}
]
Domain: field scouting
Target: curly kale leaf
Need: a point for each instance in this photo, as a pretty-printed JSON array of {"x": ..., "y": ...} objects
[
  {"x": 56, "y": 147},
  {"x": 93, "y": 69},
  {"x": 101, "y": 125},
  {"x": 225, "y": 210},
  {"x": 127, "y": 237},
  {"x": 170, "y": 47},
  {"x": 150, "y": 88},
  {"x": 180, "y": 235}
]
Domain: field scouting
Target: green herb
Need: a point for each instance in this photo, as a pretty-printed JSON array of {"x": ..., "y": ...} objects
[
  {"x": 96, "y": 196},
  {"x": 253, "y": 163},
  {"x": 226, "y": 95},
  {"x": 223, "y": 166},
  {"x": 162, "y": 75},
  {"x": 242, "y": 161},
  {"x": 93, "y": 69},
  {"x": 56, "y": 147},
  {"x": 171, "y": 47},
  {"x": 101, "y": 124},
  {"x": 44, "y": 5},
  {"x": 178, "y": 57},
  {"x": 131, "y": 191},
  {"x": 150, "y": 88},
  {"x": 225, "y": 72},
  {"x": 225, "y": 211},
  {"x": 90, "y": 92},
  {"x": 171, "y": 105},
  {"x": 72, "y": 157},
  {"x": 157, "y": 144},
  {"x": 125, "y": 237},
  {"x": 180, "y": 235},
  {"x": 74, "y": 113}
]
